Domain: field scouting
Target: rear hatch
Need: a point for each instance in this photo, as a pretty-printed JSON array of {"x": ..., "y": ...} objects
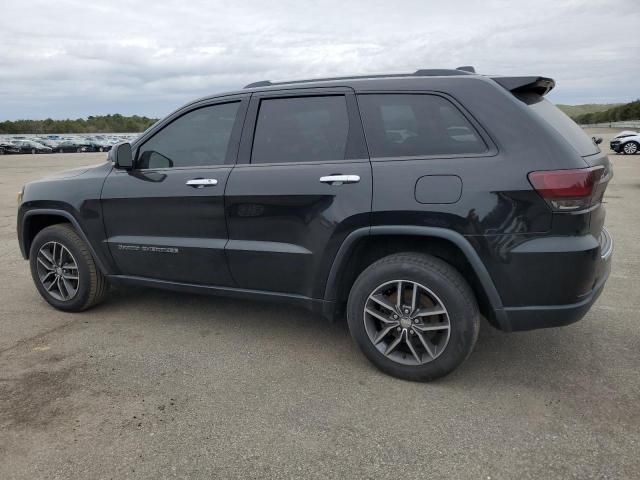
[{"x": 574, "y": 195}]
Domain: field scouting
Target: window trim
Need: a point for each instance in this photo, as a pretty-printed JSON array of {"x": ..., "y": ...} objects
[
  {"x": 356, "y": 150},
  {"x": 234, "y": 138},
  {"x": 491, "y": 150}
]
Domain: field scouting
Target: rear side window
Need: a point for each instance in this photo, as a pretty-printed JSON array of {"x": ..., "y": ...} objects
[
  {"x": 198, "y": 138},
  {"x": 301, "y": 129},
  {"x": 408, "y": 125},
  {"x": 569, "y": 129}
]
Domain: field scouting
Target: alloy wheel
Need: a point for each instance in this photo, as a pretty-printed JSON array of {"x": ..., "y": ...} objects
[
  {"x": 58, "y": 271},
  {"x": 407, "y": 322},
  {"x": 630, "y": 148}
]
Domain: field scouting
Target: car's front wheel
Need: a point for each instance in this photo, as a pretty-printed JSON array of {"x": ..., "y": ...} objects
[
  {"x": 630, "y": 148},
  {"x": 64, "y": 271},
  {"x": 413, "y": 316}
]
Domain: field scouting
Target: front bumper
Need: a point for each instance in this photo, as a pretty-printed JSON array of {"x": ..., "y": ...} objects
[
  {"x": 544, "y": 316},
  {"x": 615, "y": 147}
]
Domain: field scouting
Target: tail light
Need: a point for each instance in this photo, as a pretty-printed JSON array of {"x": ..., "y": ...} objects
[{"x": 569, "y": 190}]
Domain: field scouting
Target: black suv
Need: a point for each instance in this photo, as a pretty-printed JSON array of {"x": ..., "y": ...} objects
[{"x": 413, "y": 204}]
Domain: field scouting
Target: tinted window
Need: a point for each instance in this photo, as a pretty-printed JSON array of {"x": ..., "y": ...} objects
[
  {"x": 301, "y": 129},
  {"x": 198, "y": 138},
  {"x": 416, "y": 125},
  {"x": 569, "y": 129}
]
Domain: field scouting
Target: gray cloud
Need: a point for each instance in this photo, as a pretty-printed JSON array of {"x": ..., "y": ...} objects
[{"x": 73, "y": 58}]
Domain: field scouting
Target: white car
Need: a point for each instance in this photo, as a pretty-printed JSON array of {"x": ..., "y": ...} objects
[{"x": 626, "y": 142}]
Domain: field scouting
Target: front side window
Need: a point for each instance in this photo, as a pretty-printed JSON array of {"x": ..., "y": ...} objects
[
  {"x": 301, "y": 129},
  {"x": 198, "y": 138},
  {"x": 408, "y": 125}
]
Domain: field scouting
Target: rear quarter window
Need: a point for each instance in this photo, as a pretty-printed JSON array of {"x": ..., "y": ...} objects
[
  {"x": 570, "y": 130},
  {"x": 410, "y": 125}
]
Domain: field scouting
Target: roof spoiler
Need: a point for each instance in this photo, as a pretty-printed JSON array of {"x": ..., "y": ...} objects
[{"x": 539, "y": 85}]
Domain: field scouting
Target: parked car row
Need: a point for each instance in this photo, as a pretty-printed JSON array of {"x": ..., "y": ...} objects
[{"x": 60, "y": 144}]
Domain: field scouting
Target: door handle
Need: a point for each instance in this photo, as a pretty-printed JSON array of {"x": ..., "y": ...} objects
[
  {"x": 340, "y": 179},
  {"x": 202, "y": 182}
]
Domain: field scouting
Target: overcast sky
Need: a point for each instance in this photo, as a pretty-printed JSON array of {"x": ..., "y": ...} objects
[{"x": 73, "y": 58}]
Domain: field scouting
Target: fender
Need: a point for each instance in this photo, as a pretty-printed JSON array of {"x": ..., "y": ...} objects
[
  {"x": 457, "y": 239},
  {"x": 71, "y": 219}
]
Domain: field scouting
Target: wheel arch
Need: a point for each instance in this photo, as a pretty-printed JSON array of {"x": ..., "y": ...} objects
[
  {"x": 34, "y": 221},
  {"x": 366, "y": 245}
]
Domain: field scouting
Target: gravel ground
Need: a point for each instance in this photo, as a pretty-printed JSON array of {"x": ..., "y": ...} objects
[{"x": 163, "y": 385}]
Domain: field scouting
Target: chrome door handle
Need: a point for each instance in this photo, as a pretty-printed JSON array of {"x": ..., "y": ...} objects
[
  {"x": 202, "y": 182},
  {"x": 340, "y": 179}
]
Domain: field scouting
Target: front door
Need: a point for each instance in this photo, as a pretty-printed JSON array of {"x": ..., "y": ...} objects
[
  {"x": 165, "y": 218},
  {"x": 301, "y": 185}
]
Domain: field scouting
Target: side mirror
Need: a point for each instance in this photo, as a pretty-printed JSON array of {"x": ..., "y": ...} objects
[
  {"x": 122, "y": 156},
  {"x": 597, "y": 140}
]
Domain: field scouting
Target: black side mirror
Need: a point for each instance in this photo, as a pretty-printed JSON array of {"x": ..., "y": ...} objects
[
  {"x": 597, "y": 140},
  {"x": 122, "y": 156}
]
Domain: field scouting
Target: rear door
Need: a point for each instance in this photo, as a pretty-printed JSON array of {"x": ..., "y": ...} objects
[
  {"x": 165, "y": 218},
  {"x": 301, "y": 185}
]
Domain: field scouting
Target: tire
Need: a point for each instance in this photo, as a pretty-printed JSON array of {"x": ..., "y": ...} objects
[
  {"x": 60, "y": 150},
  {"x": 630, "y": 148},
  {"x": 91, "y": 287},
  {"x": 33, "y": 151},
  {"x": 101, "y": 149},
  {"x": 439, "y": 283},
  {"x": 78, "y": 150}
]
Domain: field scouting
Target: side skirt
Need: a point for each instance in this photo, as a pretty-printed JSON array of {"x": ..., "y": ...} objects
[{"x": 318, "y": 306}]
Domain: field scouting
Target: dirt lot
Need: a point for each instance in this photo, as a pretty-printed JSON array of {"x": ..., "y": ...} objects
[{"x": 161, "y": 385}]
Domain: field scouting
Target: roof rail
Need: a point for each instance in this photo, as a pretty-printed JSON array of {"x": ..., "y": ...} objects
[{"x": 434, "y": 72}]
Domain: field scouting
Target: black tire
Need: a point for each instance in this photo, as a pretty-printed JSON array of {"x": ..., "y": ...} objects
[
  {"x": 78, "y": 150},
  {"x": 451, "y": 290},
  {"x": 92, "y": 285},
  {"x": 33, "y": 151}
]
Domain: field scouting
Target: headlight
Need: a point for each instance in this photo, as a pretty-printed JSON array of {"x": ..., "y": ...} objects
[{"x": 20, "y": 194}]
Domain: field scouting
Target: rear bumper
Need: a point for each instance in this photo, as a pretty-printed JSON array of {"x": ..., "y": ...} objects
[{"x": 544, "y": 316}]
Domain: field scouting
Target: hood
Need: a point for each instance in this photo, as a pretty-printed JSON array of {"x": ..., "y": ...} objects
[{"x": 74, "y": 172}]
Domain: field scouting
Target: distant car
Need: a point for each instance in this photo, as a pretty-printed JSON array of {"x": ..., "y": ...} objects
[
  {"x": 627, "y": 143},
  {"x": 48, "y": 142},
  {"x": 68, "y": 146},
  {"x": 99, "y": 145},
  {"x": 29, "y": 146},
  {"x": 8, "y": 148}
]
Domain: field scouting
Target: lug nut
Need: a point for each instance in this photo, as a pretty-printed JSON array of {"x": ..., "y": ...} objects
[
  {"x": 416, "y": 320},
  {"x": 395, "y": 317}
]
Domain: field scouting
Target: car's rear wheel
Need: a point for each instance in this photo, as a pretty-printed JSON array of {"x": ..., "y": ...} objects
[
  {"x": 630, "y": 148},
  {"x": 413, "y": 316},
  {"x": 64, "y": 271}
]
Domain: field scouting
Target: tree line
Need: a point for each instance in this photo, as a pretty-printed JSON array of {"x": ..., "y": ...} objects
[
  {"x": 628, "y": 111},
  {"x": 94, "y": 124}
]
